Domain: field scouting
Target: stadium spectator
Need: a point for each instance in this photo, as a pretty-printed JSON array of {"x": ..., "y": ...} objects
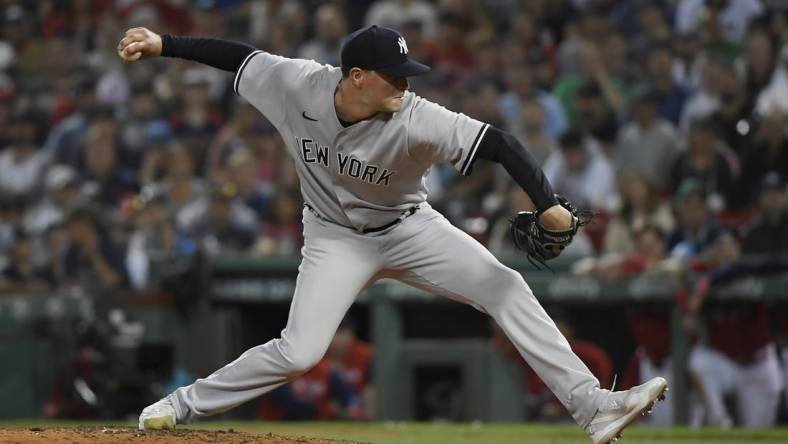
[
  {"x": 241, "y": 132},
  {"x": 267, "y": 19},
  {"x": 448, "y": 54},
  {"x": 282, "y": 233},
  {"x": 706, "y": 99},
  {"x": 11, "y": 213},
  {"x": 594, "y": 70},
  {"x": 63, "y": 192},
  {"x": 708, "y": 161},
  {"x": 696, "y": 227},
  {"x": 352, "y": 359},
  {"x": 197, "y": 119},
  {"x": 596, "y": 121},
  {"x": 108, "y": 180},
  {"x": 648, "y": 144},
  {"x": 767, "y": 152},
  {"x": 784, "y": 353},
  {"x": 20, "y": 34},
  {"x": 153, "y": 166},
  {"x": 641, "y": 206},
  {"x": 730, "y": 19},
  {"x": 521, "y": 88},
  {"x": 274, "y": 171},
  {"x": 142, "y": 117},
  {"x": 92, "y": 262},
  {"x": 653, "y": 29},
  {"x": 767, "y": 234},
  {"x": 688, "y": 61},
  {"x": 581, "y": 173},
  {"x": 539, "y": 52},
  {"x": 734, "y": 116},
  {"x": 181, "y": 185},
  {"x": 54, "y": 243},
  {"x": 649, "y": 325},
  {"x": 23, "y": 275},
  {"x": 764, "y": 73},
  {"x": 155, "y": 246},
  {"x": 242, "y": 169},
  {"x": 739, "y": 357},
  {"x": 616, "y": 50},
  {"x": 396, "y": 13},
  {"x": 23, "y": 163},
  {"x": 531, "y": 131},
  {"x": 481, "y": 103},
  {"x": 219, "y": 223},
  {"x": 648, "y": 256},
  {"x": 669, "y": 95},
  {"x": 573, "y": 38},
  {"x": 330, "y": 28},
  {"x": 64, "y": 141}
]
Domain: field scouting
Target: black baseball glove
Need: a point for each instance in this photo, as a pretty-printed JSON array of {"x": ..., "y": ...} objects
[{"x": 539, "y": 243}]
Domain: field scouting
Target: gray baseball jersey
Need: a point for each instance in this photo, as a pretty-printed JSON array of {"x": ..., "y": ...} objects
[{"x": 366, "y": 174}]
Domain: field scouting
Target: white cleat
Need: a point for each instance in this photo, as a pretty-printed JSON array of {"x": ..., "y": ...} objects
[
  {"x": 622, "y": 408},
  {"x": 157, "y": 416}
]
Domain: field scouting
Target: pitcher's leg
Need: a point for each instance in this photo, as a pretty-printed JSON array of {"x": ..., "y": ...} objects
[
  {"x": 442, "y": 259},
  {"x": 332, "y": 273}
]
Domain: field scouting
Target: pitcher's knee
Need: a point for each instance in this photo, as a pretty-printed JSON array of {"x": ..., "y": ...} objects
[
  {"x": 508, "y": 288},
  {"x": 300, "y": 359}
]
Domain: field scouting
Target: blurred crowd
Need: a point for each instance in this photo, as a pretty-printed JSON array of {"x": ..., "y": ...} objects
[{"x": 666, "y": 118}]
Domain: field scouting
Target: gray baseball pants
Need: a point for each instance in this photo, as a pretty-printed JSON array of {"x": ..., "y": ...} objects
[{"x": 424, "y": 251}]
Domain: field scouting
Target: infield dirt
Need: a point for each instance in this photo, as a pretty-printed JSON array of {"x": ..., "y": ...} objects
[{"x": 129, "y": 435}]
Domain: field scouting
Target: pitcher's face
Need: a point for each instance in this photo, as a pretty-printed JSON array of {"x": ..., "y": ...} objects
[{"x": 384, "y": 92}]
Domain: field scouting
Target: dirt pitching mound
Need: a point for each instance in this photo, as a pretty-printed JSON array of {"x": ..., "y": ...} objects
[{"x": 129, "y": 435}]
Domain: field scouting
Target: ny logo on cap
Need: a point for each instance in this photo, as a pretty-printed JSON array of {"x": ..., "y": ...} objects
[{"x": 403, "y": 47}]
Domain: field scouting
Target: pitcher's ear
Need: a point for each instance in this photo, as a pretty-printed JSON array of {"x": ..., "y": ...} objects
[{"x": 357, "y": 75}]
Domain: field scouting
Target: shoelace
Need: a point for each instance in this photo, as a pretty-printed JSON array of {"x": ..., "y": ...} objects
[{"x": 612, "y": 389}]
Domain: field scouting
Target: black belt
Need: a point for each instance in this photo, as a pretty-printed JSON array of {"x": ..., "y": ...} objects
[{"x": 405, "y": 214}]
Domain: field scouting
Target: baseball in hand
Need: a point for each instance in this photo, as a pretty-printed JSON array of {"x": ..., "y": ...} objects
[{"x": 130, "y": 58}]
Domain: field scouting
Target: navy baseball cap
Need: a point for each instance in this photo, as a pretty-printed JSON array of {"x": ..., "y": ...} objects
[{"x": 380, "y": 49}]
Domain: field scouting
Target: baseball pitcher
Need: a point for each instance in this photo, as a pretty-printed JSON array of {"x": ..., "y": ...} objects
[{"x": 362, "y": 145}]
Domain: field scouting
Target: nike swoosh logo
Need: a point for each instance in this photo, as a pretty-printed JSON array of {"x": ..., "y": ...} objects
[{"x": 303, "y": 114}]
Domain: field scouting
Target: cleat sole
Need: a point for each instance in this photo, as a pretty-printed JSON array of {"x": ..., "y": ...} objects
[{"x": 163, "y": 423}]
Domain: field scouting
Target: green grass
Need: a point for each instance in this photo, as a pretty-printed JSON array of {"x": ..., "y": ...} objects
[{"x": 426, "y": 433}]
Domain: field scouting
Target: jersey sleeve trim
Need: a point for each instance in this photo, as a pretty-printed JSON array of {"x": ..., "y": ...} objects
[
  {"x": 472, "y": 152},
  {"x": 237, "y": 81}
]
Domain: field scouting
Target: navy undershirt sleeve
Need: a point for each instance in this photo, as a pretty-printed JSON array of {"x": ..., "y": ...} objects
[
  {"x": 223, "y": 54},
  {"x": 501, "y": 147}
]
